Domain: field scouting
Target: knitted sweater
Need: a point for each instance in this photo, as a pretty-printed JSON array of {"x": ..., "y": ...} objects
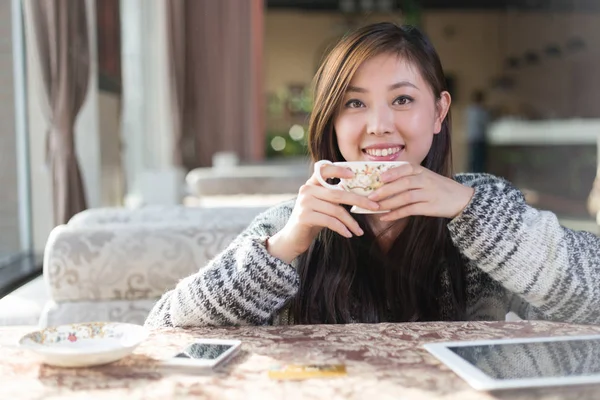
[{"x": 519, "y": 259}]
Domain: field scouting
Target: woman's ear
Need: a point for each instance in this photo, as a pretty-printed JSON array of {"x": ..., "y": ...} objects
[{"x": 442, "y": 107}]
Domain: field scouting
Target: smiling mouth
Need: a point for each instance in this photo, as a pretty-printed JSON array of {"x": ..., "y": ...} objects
[{"x": 383, "y": 152}]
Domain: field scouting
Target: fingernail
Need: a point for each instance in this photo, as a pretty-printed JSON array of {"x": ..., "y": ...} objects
[
  {"x": 372, "y": 196},
  {"x": 374, "y": 205},
  {"x": 360, "y": 232},
  {"x": 348, "y": 234}
]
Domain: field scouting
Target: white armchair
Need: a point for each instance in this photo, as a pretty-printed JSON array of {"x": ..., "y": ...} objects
[{"x": 113, "y": 264}]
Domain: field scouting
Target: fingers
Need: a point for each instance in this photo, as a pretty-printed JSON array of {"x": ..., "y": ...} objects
[
  {"x": 402, "y": 184},
  {"x": 406, "y": 211},
  {"x": 329, "y": 171},
  {"x": 315, "y": 212},
  {"x": 340, "y": 197},
  {"x": 340, "y": 214},
  {"x": 403, "y": 170},
  {"x": 327, "y": 221},
  {"x": 403, "y": 199}
]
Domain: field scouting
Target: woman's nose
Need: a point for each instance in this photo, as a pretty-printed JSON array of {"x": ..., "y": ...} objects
[{"x": 380, "y": 121}]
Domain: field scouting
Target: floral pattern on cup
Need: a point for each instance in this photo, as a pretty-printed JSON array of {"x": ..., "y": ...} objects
[{"x": 367, "y": 178}]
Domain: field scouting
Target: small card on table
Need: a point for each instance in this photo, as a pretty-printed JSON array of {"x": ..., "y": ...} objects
[{"x": 309, "y": 371}]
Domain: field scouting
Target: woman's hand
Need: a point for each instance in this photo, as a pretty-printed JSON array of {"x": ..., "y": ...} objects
[
  {"x": 415, "y": 190},
  {"x": 316, "y": 208}
]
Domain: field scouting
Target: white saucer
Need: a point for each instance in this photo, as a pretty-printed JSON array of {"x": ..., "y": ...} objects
[
  {"x": 85, "y": 344},
  {"x": 358, "y": 210}
]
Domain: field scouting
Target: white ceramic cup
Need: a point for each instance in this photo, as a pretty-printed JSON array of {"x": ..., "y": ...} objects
[{"x": 367, "y": 178}]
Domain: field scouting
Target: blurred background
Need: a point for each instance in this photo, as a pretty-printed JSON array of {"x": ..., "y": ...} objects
[{"x": 131, "y": 103}]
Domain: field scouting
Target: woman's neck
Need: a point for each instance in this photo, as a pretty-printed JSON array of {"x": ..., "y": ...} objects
[{"x": 386, "y": 232}]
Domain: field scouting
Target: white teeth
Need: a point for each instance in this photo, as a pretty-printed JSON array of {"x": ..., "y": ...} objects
[{"x": 382, "y": 152}]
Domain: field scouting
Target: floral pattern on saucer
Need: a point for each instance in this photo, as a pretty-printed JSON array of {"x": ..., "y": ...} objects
[
  {"x": 84, "y": 344},
  {"x": 73, "y": 332}
]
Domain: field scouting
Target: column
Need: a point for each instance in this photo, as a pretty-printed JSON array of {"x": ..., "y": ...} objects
[{"x": 150, "y": 175}]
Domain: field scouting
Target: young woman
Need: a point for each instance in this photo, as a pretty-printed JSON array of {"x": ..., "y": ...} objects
[{"x": 466, "y": 247}]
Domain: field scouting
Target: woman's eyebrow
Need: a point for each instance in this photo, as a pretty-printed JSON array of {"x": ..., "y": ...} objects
[
  {"x": 402, "y": 84},
  {"x": 356, "y": 89},
  {"x": 395, "y": 86}
]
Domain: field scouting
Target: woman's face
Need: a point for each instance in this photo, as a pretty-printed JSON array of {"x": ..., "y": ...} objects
[{"x": 388, "y": 113}]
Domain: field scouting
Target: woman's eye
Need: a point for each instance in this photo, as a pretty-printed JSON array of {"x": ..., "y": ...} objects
[
  {"x": 354, "y": 104},
  {"x": 403, "y": 100}
]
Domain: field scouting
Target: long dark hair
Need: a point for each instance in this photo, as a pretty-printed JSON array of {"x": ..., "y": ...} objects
[{"x": 421, "y": 277}]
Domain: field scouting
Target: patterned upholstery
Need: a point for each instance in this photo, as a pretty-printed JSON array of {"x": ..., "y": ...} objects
[
  {"x": 113, "y": 264},
  {"x": 163, "y": 214},
  {"x": 131, "y": 311}
]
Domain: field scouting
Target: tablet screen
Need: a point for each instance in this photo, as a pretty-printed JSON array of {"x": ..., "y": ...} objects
[
  {"x": 568, "y": 358},
  {"x": 204, "y": 351}
]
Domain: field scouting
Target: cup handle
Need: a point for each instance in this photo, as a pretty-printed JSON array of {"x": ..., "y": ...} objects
[{"x": 322, "y": 181}]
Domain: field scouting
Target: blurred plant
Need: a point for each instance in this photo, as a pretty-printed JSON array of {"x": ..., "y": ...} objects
[
  {"x": 299, "y": 101},
  {"x": 281, "y": 144},
  {"x": 288, "y": 109},
  {"x": 411, "y": 12},
  {"x": 295, "y": 99},
  {"x": 276, "y": 103}
]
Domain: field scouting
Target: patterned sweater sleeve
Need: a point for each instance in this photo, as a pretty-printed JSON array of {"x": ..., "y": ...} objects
[
  {"x": 553, "y": 269},
  {"x": 244, "y": 284}
]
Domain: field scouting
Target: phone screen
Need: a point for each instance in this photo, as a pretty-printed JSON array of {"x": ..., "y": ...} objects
[{"x": 204, "y": 351}]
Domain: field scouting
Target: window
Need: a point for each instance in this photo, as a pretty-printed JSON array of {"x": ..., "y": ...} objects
[{"x": 17, "y": 262}]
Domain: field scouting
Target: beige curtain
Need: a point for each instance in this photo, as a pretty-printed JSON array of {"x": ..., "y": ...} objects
[
  {"x": 175, "y": 13},
  {"x": 215, "y": 70},
  {"x": 57, "y": 30}
]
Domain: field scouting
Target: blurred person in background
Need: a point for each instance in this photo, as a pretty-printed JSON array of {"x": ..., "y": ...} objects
[{"x": 478, "y": 118}]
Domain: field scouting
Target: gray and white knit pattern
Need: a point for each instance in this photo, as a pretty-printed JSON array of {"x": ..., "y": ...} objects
[{"x": 520, "y": 260}]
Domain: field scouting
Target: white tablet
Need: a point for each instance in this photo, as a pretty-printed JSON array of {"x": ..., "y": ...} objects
[{"x": 519, "y": 363}]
